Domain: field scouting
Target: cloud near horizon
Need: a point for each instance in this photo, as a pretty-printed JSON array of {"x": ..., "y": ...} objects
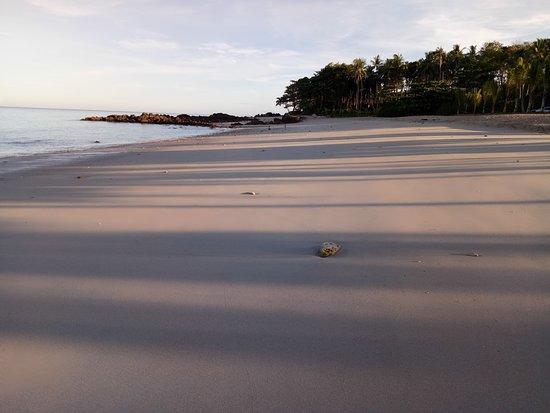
[{"x": 233, "y": 56}]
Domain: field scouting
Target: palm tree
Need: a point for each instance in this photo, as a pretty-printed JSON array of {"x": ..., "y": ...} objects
[
  {"x": 376, "y": 62},
  {"x": 359, "y": 69},
  {"x": 487, "y": 93},
  {"x": 460, "y": 97},
  {"x": 394, "y": 67},
  {"x": 454, "y": 60},
  {"x": 534, "y": 76},
  {"x": 541, "y": 50},
  {"x": 440, "y": 55},
  {"x": 510, "y": 84},
  {"x": 476, "y": 98},
  {"x": 519, "y": 77}
]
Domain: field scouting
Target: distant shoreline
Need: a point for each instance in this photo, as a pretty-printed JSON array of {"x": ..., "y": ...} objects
[{"x": 539, "y": 123}]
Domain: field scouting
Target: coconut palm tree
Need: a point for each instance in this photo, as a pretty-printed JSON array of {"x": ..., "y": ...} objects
[
  {"x": 487, "y": 91},
  {"x": 476, "y": 98},
  {"x": 541, "y": 50},
  {"x": 359, "y": 69},
  {"x": 440, "y": 55},
  {"x": 455, "y": 61},
  {"x": 376, "y": 62},
  {"x": 519, "y": 77}
]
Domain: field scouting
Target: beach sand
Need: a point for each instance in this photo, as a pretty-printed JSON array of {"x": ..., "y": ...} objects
[{"x": 151, "y": 283}]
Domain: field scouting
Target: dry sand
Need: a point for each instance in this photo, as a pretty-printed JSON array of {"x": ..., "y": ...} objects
[
  {"x": 131, "y": 289},
  {"x": 535, "y": 122}
]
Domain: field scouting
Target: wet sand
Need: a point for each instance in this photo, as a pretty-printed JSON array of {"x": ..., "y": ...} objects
[{"x": 151, "y": 283}]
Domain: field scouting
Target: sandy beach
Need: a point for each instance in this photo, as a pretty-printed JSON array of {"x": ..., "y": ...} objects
[{"x": 144, "y": 280}]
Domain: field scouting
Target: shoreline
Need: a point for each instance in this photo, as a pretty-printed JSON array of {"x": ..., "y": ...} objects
[
  {"x": 25, "y": 163},
  {"x": 36, "y": 161},
  {"x": 67, "y": 157}
]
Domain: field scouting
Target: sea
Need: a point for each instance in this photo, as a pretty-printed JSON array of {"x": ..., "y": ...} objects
[{"x": 34, "y": 137}]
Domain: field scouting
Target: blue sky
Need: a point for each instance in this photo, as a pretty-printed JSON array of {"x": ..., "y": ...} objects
[{"x": 230, "y": 56}]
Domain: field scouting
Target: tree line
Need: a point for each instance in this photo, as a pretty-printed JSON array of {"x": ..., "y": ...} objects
[{"x": 493, "y": 79}]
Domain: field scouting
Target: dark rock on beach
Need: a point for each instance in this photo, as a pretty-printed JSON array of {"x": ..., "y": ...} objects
[
  {"x": 288, "y": 118},
  {"x": 256, "y": 122},
  {"x": 190, "y": 120},
  {"x": 163, "y": 119}
]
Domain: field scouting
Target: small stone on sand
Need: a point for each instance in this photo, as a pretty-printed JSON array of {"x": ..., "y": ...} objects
[
  {"x": 328, "y": 249},
  {"x": 249, "y": 193}
]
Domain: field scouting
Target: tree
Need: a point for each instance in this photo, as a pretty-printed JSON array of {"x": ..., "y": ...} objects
[
  {"x": 376, "y": 62},
  {"x": 541, "y": 51},
  {"x": 488, "y": 91},
  {"x": 462, "y": 80},
  {"x": 359, "y": 68},
  {"x": 476, "y": 98},
  {"x": 440, "y": 56}
]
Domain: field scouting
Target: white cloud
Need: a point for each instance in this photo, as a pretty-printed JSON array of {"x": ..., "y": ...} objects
[
  {"x": 68, "y": 8},
  {"x": 446, "y": 30},
  {"x": 148, "y": 44},
  {"x": 228, "y": 49}
]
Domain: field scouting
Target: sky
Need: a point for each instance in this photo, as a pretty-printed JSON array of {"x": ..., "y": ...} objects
[{"x": 206, "y": 56}]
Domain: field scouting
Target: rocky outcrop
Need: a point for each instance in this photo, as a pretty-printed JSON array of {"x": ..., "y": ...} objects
[
  {"x": 189, "y": 120},
  {"x": 162, "y": 119}
]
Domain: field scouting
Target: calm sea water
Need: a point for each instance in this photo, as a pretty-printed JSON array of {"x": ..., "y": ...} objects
[{"x": 25, "y": 131}]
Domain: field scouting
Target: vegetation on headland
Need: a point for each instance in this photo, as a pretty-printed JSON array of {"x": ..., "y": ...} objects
[{"x": 493, "y": 79}]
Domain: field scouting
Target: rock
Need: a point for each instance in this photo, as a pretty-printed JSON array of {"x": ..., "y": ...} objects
[
  {"x": 256, "y": 122},
  {"x": 249, "y": 193},
  {"x": 163, "y": 119},
  {"x": 97, "y": 142},
  {"x": 328, "y": 249},
  {"x": 287, "y": 118},
  {"x": 267, "y": 115}
]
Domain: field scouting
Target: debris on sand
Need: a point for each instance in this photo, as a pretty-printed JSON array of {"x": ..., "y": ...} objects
[
  {"x": 328, "y": 249},
  {"x": 473, "y": 254},
  {"x": 470, "y": 254},
  {"x": 249, "y": 193}
]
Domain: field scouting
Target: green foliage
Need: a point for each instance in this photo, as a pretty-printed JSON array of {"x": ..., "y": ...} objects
[
  {"x": 426, "y": 98},
  {"x": 495, "y": 78}
]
